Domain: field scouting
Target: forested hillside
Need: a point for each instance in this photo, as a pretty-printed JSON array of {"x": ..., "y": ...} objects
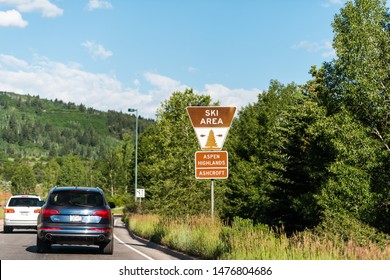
[
  {"x": 32, "y": 127},
  {"x": 44, "y": 143}
]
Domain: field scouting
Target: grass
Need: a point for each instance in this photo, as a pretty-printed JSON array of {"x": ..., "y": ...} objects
[
  {"x": 197, "y": 236},
  {"x": 206, "y": 238},
  {"x": 117, "y": 211}
]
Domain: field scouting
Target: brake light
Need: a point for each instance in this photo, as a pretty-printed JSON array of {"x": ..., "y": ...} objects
[
  {"x": 49, "y": 212},
  {"x": 106, "y": 230},
  {"x": 50, "y": 228},
  {"x": 37, "y": 210},
  {"x": 9, "y": 210},
  {"x": 102, "y": 213}
]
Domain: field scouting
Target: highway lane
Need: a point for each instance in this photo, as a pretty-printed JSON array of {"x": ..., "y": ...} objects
[{"x": 21, "y": 245}]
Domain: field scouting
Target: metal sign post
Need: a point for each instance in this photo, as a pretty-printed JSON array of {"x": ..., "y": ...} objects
[{"x": 212, "y": 198}]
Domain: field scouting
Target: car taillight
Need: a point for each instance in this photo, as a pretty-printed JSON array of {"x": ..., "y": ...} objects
[
  {"x": 37, "y": 210},
  {"x": 49, "y": 212},
  {"x": 102, "y": 213},
  {"x": 50, "y": 228},
  {"x": 106, "y": 230},
  {"x": 9, "y": 210}
]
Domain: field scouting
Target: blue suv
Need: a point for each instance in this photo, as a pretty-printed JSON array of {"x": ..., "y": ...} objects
[{"x": 76, "y": 216}]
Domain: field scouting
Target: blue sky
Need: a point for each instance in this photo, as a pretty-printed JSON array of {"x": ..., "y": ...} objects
[{"x": 120, "y": 54}]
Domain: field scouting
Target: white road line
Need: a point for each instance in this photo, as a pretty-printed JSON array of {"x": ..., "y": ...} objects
[{"x": 131, "y": 248}]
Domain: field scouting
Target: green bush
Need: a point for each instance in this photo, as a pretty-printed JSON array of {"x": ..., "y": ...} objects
[
  {"x": 345, "y": 228},
  {"x": 121, "y": 200}
]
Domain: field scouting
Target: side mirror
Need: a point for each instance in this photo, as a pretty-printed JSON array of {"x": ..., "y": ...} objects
[{"x": 112, "y": 205}]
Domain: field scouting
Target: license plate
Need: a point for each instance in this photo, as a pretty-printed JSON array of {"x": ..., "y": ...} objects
[{"x": 76, "y": 219}]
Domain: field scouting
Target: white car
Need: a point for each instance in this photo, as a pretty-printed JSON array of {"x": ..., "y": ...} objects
[{"x": 21, "y": 211}]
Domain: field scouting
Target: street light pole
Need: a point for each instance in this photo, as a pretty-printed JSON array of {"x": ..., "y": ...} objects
[{"x": 136, "y": 152}]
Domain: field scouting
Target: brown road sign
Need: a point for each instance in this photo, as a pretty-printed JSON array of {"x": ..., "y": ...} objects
[
  {"x": 211, "y": 124},
  {"x": 211, "y": 165}
]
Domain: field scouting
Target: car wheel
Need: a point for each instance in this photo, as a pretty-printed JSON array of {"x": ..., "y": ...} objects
[
  {"x": 43, "y": 246},
  {"x": 8, "y": 229},
  {"x": 107, "y": 248}
]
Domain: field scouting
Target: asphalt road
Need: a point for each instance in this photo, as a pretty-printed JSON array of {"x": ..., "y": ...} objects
[{"x": 21, "y": 245}]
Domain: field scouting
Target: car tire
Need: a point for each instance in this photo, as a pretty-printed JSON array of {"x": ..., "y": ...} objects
[
  {"x": 107, "y": 248},
  {"x": 43, "y": 246},
  {"x": 8, "y": 229}
]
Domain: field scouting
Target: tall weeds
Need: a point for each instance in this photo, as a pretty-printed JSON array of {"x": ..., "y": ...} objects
[{"x": 207, "y": 238}]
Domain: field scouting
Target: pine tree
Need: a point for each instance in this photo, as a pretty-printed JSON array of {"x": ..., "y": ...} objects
[{"x": 211, "y": 143}]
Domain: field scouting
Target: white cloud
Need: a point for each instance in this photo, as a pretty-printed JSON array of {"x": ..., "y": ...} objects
[
  {"x": 99, "y": 4},
  {"x": 325, "y": 47},
  {"x": 67, "y": 82},
  {"x": 12, "y": 18},
  {"x": 164, "y": 83},
  {"x": 70, "y": 83},
  {"x": 165, "y": 86},
  {"x": 332, "y": 3},
  {"x": 232, "y": 97},
  {"x": 45, "y": 7},
  {"x": 13, "y": 62},
  {"x": 96, "y": 50}
]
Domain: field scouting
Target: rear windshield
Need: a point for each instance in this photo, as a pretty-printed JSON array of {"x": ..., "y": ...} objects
[
  {"x": 76, "y": 198},
  {"x": 23, "y": 201}
]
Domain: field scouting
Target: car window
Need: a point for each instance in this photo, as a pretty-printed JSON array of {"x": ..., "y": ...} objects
[
  {"x": 76, "y": 198},
  {"x": 23, "y": 201}
]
